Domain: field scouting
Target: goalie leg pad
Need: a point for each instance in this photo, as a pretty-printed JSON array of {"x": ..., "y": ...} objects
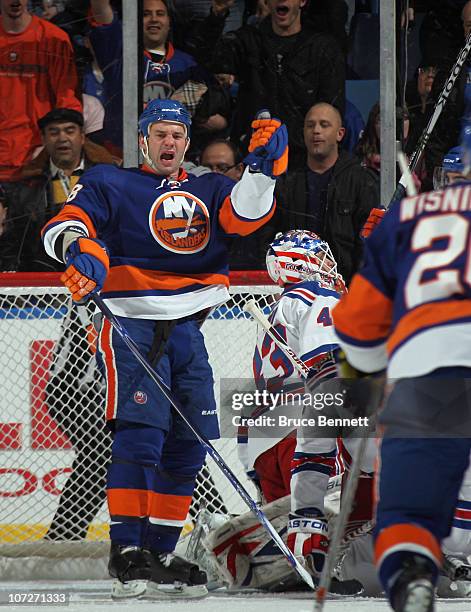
[{"x": 244, "y": 553}]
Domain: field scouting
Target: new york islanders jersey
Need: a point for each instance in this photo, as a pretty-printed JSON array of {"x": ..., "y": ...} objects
[
  {"x": 409, "y": 307},
  {"x": 166, "y": 238}
]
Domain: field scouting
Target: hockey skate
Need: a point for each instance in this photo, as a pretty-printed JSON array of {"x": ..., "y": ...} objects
[
  {"x": 131, "y": 566},
  {"x": 414, "y": 590},
  {"x": 173, "y": 577}
]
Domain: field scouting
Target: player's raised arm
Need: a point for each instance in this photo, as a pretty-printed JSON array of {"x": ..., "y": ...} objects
[{"x": 252, "y": 202}]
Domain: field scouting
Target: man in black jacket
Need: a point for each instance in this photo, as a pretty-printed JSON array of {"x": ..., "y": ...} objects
[
  {"x": 331, "y": 195},
  {"x": 282, "y": 65}
]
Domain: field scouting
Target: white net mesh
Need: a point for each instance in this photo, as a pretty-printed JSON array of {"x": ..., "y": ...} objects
[{"x": 54, "y": 445}]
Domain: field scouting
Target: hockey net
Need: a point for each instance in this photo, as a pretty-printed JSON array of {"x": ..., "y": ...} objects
[{"x": 53, "y": 441}]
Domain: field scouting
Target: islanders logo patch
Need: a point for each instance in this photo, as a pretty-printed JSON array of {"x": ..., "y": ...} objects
[
  {"x": 140, "y": 397},
  {"x": 179, "y": 221}
]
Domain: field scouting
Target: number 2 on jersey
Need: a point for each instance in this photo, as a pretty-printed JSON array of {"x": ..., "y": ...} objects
[{"x": 446, "y": 281}]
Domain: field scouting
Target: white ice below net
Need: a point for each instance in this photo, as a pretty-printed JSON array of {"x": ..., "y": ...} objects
[{"x": 94, "y": 596}]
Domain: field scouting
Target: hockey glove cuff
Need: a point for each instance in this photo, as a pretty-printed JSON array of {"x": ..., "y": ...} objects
[
  {"x": 87, "y": 268},
  {"x": 268, "y": 148}
]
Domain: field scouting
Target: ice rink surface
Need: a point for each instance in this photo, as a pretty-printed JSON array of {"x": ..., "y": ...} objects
[{"x": 94, "y": 596}]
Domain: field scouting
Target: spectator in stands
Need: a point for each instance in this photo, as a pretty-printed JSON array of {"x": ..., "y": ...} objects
[
  {"x": 223, "y": 157},
  {"x": 37, "y": 74},
  {"x": 456, "y": 113},
  {"x": 168, "y": 72},
  {"x": 46, "y": 183},
  {"x": 419, "y": 104},
  {"x": 368, "y": 148},
  {"x": 331, "y": 195},
  {"x": 282, "y": 65}
]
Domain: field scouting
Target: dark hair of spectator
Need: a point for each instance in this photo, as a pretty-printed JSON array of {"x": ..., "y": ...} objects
[
  {"x": 369, "y": 142},
  {"x": 235, "y": 150},
  {"x": 61, "y": 115}
]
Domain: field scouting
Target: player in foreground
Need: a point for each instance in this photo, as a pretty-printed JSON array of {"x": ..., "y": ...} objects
[
  {"x": 409, "y": 310},
  {"x": 292, "y": 464},
  {"x": 152, "y": 241}
]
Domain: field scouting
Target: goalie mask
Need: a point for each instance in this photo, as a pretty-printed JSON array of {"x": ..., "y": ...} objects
[{"x": 300, "y": 255}]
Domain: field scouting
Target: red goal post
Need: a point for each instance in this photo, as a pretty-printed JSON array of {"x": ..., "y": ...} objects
[{"x": 38, "y": 456}]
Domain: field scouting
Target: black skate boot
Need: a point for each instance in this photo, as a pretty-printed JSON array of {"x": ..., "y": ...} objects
[
  {"x": 414, "y": 590},
  {"x": 173, "y": 577},
  {"x": 131, "y": 566}
]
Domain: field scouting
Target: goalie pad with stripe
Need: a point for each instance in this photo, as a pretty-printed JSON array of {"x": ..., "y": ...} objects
[{"x": 245, "y": 556}]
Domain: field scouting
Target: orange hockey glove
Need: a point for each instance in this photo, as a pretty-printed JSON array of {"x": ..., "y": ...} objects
[
  {"x": 374, "y": 218},
  {"x": 87, "y": 268},
  {"x": 268, "y": 148}
]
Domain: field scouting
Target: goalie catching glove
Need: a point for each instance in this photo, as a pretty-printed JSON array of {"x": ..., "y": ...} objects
[
  {"x": 87, "y": 268},
  {"x": 268, "y": 148}
]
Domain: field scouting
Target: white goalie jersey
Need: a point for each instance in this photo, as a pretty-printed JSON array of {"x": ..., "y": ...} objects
[{"x": 302, "y": 317}]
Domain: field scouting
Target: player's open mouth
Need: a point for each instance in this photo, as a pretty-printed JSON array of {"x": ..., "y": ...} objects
[{"x": 167, "y": 156}]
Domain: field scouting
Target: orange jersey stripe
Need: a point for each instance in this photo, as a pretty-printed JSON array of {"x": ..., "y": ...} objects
[
  {"x": 364, "y": 313},
  {"x": 73, "y": 213},
  {"x": 426, "y": 316},
  {"x": 405, "y": 534},
  {"x": 128, "y": 502},
  {"x": 108, "y": 358},
  {"x": 232, "y": 224},
  {"x": 171, "y": 507},
  {"x": 130, "y": 278}
]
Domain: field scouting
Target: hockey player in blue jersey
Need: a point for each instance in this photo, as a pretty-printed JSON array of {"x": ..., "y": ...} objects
[
  {"x": 409, "y": 310},
  {"x": 153, "y": 242}
]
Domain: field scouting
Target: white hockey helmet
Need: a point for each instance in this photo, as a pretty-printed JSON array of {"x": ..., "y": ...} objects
[{"x": 299, "y": 255}]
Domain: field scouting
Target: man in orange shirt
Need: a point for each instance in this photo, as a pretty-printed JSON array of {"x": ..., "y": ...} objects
[{"x": 37, "y": 74}]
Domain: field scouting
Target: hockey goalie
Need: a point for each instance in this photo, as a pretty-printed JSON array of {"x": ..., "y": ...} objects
[{"x": 295, "y": 467}]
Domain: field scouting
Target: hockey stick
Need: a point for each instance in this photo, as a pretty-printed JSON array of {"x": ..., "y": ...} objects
[
  {"x": 417, "y": 154},
  {"x": 346, "y": 503},
  {"x": 252, "y": 308},
  {"x": 406, "y": 173},
  {"x": 226, "y": 470}
]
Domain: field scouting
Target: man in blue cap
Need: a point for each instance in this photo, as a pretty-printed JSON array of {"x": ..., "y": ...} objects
[{"x": 152, "y": 240}]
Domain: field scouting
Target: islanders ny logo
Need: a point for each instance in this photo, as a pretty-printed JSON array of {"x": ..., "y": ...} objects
[{"x": 179, "y": 221}]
